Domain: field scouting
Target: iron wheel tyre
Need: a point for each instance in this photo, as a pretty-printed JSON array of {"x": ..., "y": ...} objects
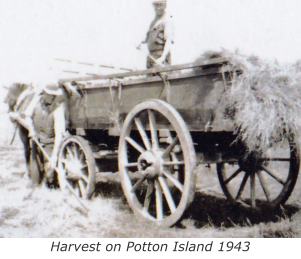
[
  {"x": 157, "y": 176},
  {"x": 77, "y": 166},
  {"x": 271, "y": 178}
]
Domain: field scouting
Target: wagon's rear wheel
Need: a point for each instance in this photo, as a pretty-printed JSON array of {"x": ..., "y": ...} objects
[
  {"x": 77, "y": 166},
  {"x": 262, "y": 180},
  {"x": 157, "y": 162}
]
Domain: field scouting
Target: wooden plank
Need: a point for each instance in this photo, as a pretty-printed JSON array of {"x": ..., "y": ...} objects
[
  {"x": 173, "y": 76},
  {"x": 69, "y": 71},
  {"x": 149, "y": 71},
  {"x": 121, "y": 68}
]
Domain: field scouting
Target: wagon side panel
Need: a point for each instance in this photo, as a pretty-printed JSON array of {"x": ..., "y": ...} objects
[{"x": 196, "y": 97}]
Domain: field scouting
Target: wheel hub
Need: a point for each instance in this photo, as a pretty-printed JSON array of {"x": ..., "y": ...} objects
[
  {"x": 73, "y": 168},
  {"x": 150, "y": 164},
  {"x": 251, "y": 163}
]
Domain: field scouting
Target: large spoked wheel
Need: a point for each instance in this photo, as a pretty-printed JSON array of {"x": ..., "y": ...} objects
[
  {"x": 77, "y": 166},
  {"x": 261, "y": 181},
  {"x": 157, "y": 162}
]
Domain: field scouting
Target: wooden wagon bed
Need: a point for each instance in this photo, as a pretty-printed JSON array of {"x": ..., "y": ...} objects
[
  {"x": 157, "y": 125},
  {"x": 195, "y": 91}
]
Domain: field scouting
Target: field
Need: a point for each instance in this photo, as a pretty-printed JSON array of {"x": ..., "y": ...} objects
[{"x": 40, "y": 212}]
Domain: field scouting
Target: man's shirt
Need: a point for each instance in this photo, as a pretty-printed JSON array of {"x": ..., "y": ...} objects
[{"x": 159, "y": 32}]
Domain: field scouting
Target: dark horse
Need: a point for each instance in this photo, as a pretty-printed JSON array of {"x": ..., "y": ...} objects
[{"x": 14, "y": 92}]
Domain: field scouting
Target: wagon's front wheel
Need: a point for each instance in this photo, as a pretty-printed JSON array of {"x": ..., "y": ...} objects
[
  {"x": 157, "y": 162},
  {"x": 262, "y": 181},
  {"x": 76, "y": 166}
]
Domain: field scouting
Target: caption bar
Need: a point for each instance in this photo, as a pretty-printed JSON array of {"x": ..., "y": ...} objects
[{"x": 131, "y": 246}]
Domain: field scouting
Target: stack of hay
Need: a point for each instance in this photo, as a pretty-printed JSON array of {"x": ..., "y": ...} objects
[{"x": 265, "y": 100}]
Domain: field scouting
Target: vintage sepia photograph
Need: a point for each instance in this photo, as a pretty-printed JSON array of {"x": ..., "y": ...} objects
[{"x": 150, "y": 119}]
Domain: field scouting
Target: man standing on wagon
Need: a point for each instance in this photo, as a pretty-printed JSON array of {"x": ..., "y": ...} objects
[{"x": 160, "y": 37}]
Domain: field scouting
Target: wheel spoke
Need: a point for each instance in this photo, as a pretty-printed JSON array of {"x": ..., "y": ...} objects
[
  {"x": 174, "y": 158},
  {"x": 143, "y": 134},
  {"x": 252, "y": 188},
  {"x": 271, "y": 174},
  {"x": 148, "y": 195},
  {"x": 170, "y": 147},
  {"x": 263, "y": 185},
  {"x": 137, "y": 184},
  {"x": 173, "y": 180},
  {"x": 173, "y": 163},
  {"x": 131, "y": 165},
  {"x": 77, "y": 189},
  {"x": 135, "y": 144},
  {"x": 85, "y": 178},
  {"x": 76, "y": 152},
  {"x": 233, "y": 176},
  {"x": 64, "y": 161},
  {"x": 242, "y": 186},
  {"x": 71, "y": 155},
  {"x": 81, "y": 157},
  {"x": 276, "y": 159},
  {"x": 167, "y": 194},
  {"x": 159, "y": 201},
  {"x": 81, "y": 187},
  {"x": 153, "y": 129},
  {"x": 83, "y": 167}
]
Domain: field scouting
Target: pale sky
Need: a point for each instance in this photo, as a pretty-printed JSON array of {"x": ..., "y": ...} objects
[{"x": 35, "y": 32}]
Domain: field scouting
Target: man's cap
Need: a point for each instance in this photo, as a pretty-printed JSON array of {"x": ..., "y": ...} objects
[
  {"x": 53, "y": 89},
  {"x": 159, "y": 2}
]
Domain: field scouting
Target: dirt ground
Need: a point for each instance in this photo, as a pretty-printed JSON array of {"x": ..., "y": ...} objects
[{"x": 40, "y": 212}]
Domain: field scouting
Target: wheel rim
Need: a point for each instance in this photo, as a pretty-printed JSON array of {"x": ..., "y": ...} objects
[
  {"x": 262, "y": 180},
  {"x": 77, "y": 165},
  {"x": 157, "y": 166}
]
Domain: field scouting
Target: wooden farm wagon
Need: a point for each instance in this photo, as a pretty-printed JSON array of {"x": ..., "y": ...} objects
[{"x": 158, "y": 125}]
